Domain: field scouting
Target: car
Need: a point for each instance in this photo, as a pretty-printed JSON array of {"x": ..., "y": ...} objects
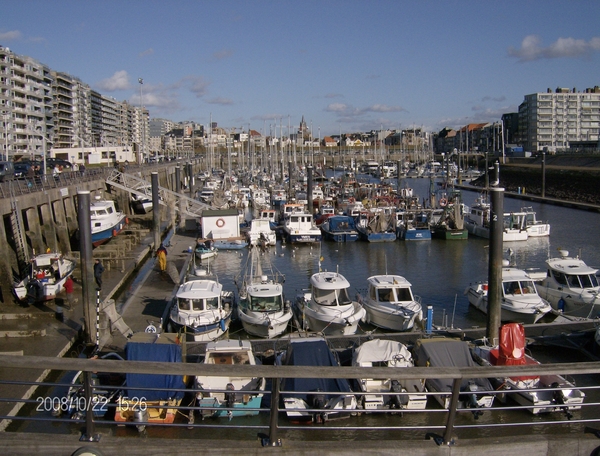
[
  {"x": 22, "y": 169},
  {"x": 6, "y": 170},
  {"x": 52, "y": 162}
]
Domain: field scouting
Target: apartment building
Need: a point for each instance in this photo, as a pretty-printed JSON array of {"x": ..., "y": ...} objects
[{"x": 560, "y": 120}]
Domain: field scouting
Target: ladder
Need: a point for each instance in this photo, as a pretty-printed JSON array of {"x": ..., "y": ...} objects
[
  {"x": 142, "y": 188},
  {"x": 16, "y": 221}
]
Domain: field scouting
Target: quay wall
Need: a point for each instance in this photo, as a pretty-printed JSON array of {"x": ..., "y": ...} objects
[{"x": 44, "y": 214}]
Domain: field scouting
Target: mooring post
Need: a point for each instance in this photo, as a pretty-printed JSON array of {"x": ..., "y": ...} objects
[
  {"x": 495, "y": 263},
  {"x": 155, "y": 209},
  {"x": 87, "y": 268}
]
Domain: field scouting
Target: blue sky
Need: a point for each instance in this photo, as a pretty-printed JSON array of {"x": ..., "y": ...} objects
[{"x": 344, "y": 65}]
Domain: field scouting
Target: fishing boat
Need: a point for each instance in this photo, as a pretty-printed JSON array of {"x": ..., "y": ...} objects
[
  {"x": 571, "y": 286},
  {"x": 475, "y": 393},
  {"x": 106, "y": 221},
  {"x": 327, "y": 308},
  {"x": 414, "y": 226},
  {"x": 339, "y": 228},
  {"x": 261, "y": 233},
  {"x": 325, "y": 212},
  {"x": 151, "y": 398},
  {"x": 300, "y": 228},
  {"x": 477, "y": 222},
  {"x": 539, "y": 394},
  {"x": 534, "y": 227},
  {"x": 520, "y": 300},
  {"x": 451, "y": 223},
  {"x": 390, "y": 304},
  {"x": 262, "y": 308},
  {"x": 46, "y": 276},
  {"x": 234, "y": 394},
  {"x": 375, "y": 227},
  {"x": 314, "y": 399},
  {"x": 388, "y": 393},
  {"x": 201, "y": 309}
]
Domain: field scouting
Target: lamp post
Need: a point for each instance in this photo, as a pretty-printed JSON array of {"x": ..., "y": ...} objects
[{"x": 142, "y": 146}]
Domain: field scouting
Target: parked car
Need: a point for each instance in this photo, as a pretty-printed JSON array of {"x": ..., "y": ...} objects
[
  {"x": 21, "y": 169},
  {"x": 7, "y": 170},
  {"x": 52, "y": 162}
]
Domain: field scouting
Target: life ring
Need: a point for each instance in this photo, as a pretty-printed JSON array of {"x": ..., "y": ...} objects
[
  {"x": 443, "y": 202},
  {"x": 220, "y": 223}
]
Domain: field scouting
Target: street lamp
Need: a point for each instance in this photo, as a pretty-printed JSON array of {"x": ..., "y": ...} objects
[{"x": 141, "y": 151}]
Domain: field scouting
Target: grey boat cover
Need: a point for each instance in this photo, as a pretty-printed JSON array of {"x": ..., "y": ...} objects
[
  {"x": 380, "y": 350},
  {"x": 444, "y": 352}
]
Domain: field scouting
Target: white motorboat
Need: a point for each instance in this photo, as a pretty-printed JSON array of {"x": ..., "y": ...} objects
[
  {"x": 571, "y": 286},
  {"x": 261, "y": 233},
  {"x": 475, "y": 393},
  {"x": 520, "y": 302},
  {"x": 262, "y": 308},
  {"x": 46, "y": 275},
  {"x": 234, "y": 394},
  {"x": 201, "y": 308},
  {"x": 301, "y": 228},
  {"x": 327, "y": 307},
  {"x": 477, "y": 223},
  {"x": 106, "y": 221},
  {"x": 316, "y": 399},
  {"x": 540, "y": 394},
  {"x": 535, "y": 227},
  {"x": 205, "y": 250},
  {"x": 388, "y": 392},
  {"x": 390, "y": 304}
]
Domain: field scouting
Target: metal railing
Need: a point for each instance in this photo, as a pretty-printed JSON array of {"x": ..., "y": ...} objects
[{"x": 437, "y": 422}]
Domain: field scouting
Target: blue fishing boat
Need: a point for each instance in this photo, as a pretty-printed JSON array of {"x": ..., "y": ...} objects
[
  {"x": 339, "y": 228},
  {"x": 375, "y": 227}
]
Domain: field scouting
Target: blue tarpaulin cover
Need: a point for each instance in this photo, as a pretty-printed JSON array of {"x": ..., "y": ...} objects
[
  {"x": 137, "y": 351},
  {"x": 312, "y": 353}
]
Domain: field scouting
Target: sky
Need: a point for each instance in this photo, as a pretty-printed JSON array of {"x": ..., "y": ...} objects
[{"x": 345, "y": 66}]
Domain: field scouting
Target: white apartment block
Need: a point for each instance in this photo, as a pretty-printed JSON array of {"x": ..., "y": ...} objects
[{"x": 560, "y": 120}]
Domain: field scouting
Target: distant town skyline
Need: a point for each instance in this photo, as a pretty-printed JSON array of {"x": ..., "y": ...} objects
[{"x": 345, "y": 66}]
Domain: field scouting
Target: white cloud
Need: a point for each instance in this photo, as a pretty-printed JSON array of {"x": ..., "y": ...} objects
[
  {"x": 532, "y": 49},
  {"x": 118, "y": 81},
  {"x": 148, "y": 51},
  {"x": 11, "y": 35}
]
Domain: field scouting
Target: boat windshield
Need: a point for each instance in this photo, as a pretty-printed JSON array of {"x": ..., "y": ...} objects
[
  {"x": 582, "y": 281},
  {"x": 331, "y": 297},
  {"x": 518, "y": 287},
  {"x": 387, "y": 294},
  {"x": 266, "y": 303},
  {"x": 198, "y": 304}
]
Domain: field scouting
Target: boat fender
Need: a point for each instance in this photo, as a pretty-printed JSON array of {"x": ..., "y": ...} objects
[
  {"x": 222, "y": 325},
  {"x": 114, "y": 233}
]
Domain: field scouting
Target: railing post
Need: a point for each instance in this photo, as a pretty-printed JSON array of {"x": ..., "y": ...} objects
[
  {"x": 273, "y": 423},
  {"x": 452, "y": 411},
  {"x": 89, "y": 435}
]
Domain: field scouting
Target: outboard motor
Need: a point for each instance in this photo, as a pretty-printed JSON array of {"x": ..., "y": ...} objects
[
  {"x": 472, "y": 400},
  {"x": 318, "y": 401},
  {"x": 558, "y": 396},
  {"x": 140, "y": 416},
  {"x": 230, "y": 398},
  {"x": 397, "y": 401}
]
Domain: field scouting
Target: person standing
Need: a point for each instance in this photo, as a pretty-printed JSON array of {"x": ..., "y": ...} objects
[
  {"x": 68, "y": 286},
  {"x": 98, "y": 270},
  {"x": 161, "y": 254}
]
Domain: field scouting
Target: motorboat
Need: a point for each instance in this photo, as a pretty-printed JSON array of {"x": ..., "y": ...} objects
[
  {"x": 299, "y": 227},
  {"x": 534, "y": 227},
  {"x": 46, "y": 276},
  {"x": 388, "y": 393},
  {"x": 106, "y": 390},
  {"x": 324, "y": 213},
  {"x": 262, "y": 308},
  {"x": 106, "y": 221},
  {"x": 151, "y": 398},
  {"x": 234, "y": 394},
  {"x": 339, "y": 228},
  {"x": 477, "y": 222},
  {"x": 475, "y": 393},
  {"x": 327, "y": 308},
  {"x": 231, "y": 243},
  {"x": 539, "y": 394},
  {"x": 141, "y": 198},
  {"x": 571, "y": 286},
  {"x": 520, "y": 301},
  {"x": 390, "y": 304},
  {"x": 414, "y": 226},
  {"x": 205, "y": 250},
  {"x": 314, "y": 399},
  {"x": 201, "y": 308},
  {"x": 261, "y": 232}
]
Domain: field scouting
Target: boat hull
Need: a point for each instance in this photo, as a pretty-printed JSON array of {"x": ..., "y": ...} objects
[
  {"x": 100, "y": 237},
  {"x": 395, "y": 319},
  {"x": 527, "y": 316}
]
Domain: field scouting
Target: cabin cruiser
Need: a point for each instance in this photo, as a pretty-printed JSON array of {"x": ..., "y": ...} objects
[
  {"x": 571, "y": 286},
  {"x": 477, "y": 223},
  {"x": 520, "y": 300},
  {"x": 327, "y": 307},
  {"x": 46, "y": 276},
  {"x": 106, "y": 221}
]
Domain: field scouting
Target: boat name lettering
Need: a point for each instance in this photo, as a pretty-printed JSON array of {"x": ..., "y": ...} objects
[{"x": 73, "y": 404}]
